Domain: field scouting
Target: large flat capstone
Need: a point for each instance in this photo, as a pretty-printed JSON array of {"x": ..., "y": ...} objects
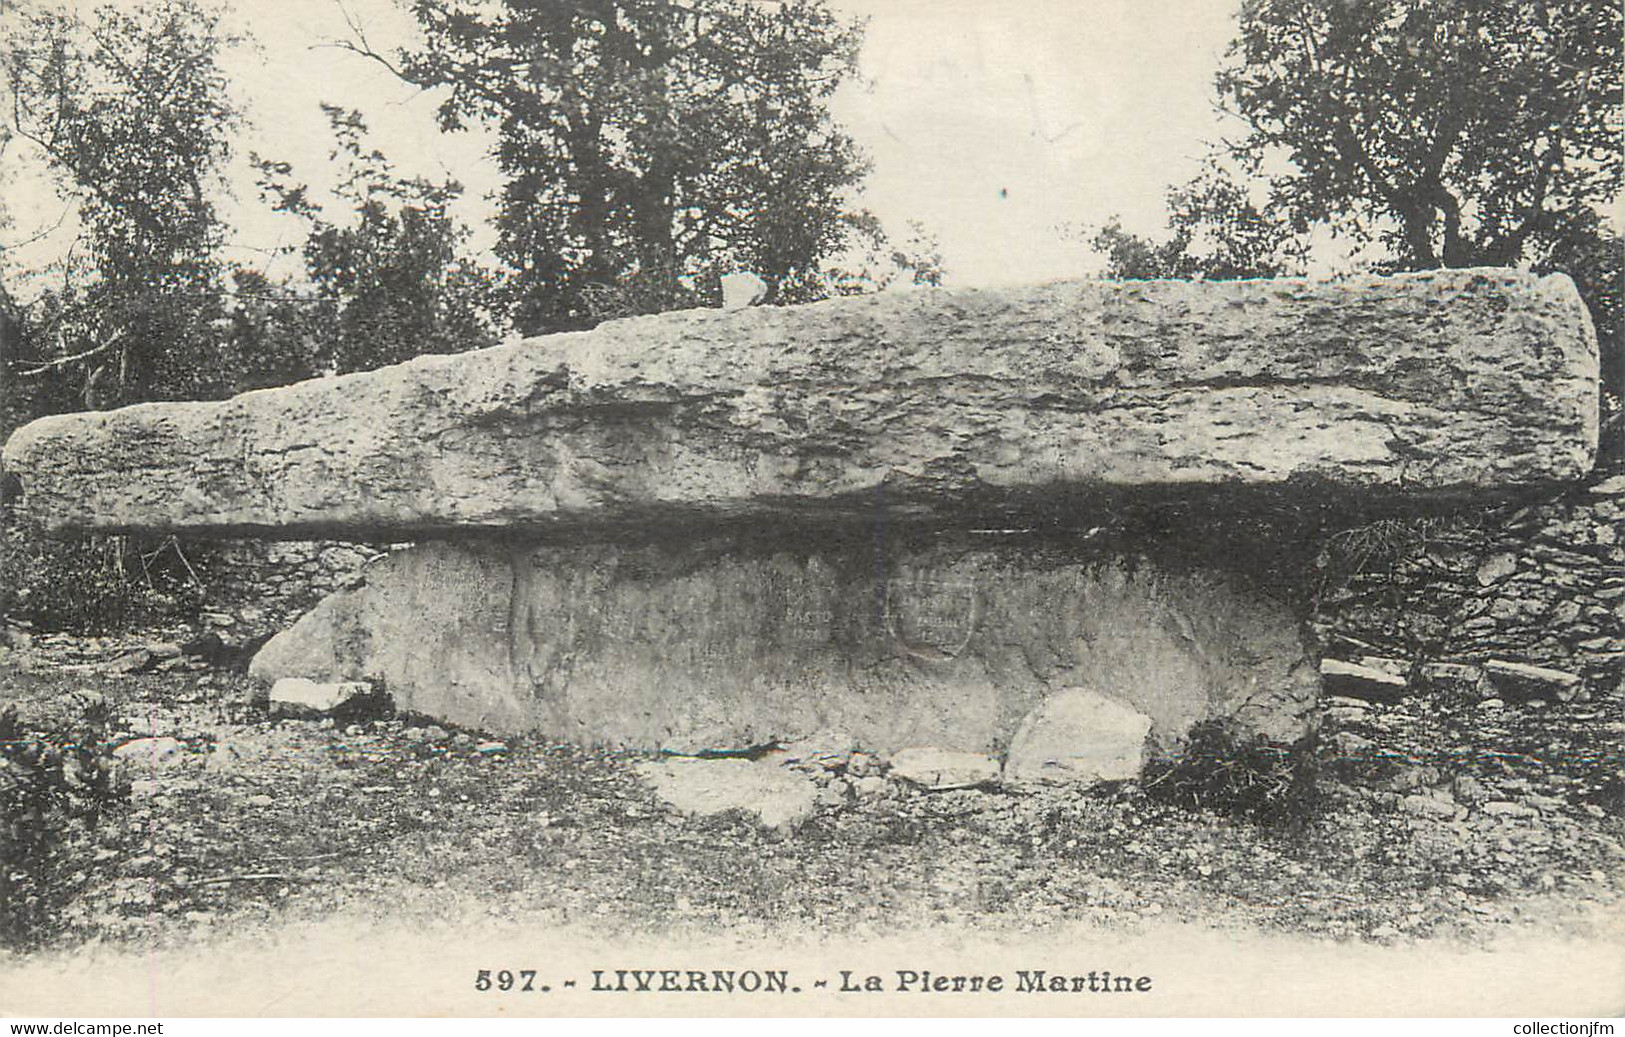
[
  {"x": 714, "y": 644},
  {"x": 949, "y": 404}
]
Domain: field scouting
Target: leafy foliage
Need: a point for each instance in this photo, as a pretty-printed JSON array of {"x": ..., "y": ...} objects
[
  {"x": 269, "y": 335},
  {"x": 92, "y": 583},
  {"x": 54, "y": 788},
  {"x": 391, "y": 278},
  {"x": 651, "y": 146},
  {"x": 15, "y": 406},
  {"x": 1454, "y": 132},
  {"x": 1217, "y": 232},
  {"x": 1594, "y": 255},
  {"x": 1222, "y": 768},
  {"x": 881, "y": 263},
  {"x": 130, "y": 113}
]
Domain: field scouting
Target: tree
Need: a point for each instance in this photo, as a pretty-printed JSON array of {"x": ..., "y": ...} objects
[
  {"x": 1593, "y": 254},
  {"x": 1453, "y": 132},
  {"x": 874, "y": 265},
  {"x": 14, "y": 405},
  {"x": 391, "y": 280},
  {"x": 1430, "y": 133},
  {"x": 650, "y": 145},
  {"x": 1442, "y": 132},
  {"x": 1216, "y": 232},
  {"x": 129, "y": 112}
]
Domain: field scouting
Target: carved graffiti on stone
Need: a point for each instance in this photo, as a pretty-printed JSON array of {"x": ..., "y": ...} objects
[{"x": 931, "y": 619}]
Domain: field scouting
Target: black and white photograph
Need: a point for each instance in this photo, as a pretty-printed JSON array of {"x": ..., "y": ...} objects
[{"x": 808, "y": 508}]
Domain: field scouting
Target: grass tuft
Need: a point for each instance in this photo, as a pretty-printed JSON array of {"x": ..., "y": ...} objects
[{"x": 1226, "y": 770}]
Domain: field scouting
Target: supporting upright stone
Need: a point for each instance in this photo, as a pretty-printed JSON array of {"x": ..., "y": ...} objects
[{"x": 716, "y": 645}]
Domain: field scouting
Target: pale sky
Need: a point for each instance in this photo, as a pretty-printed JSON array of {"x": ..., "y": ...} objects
[{"x": 993, "y": 122}]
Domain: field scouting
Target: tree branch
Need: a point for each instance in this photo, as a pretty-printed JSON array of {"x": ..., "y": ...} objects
[
  {"x": 64, "y": 361},
  {"x": 360, "y": 45},
  {"x": 1511, "y": 246},
  {"x": 46, "y": 232}
]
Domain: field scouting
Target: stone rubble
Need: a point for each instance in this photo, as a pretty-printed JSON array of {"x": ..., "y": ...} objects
[{"x": 1539, "y": 585}]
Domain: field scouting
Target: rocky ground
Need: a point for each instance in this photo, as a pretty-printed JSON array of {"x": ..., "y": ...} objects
[{"x": 1446, "y": 817}]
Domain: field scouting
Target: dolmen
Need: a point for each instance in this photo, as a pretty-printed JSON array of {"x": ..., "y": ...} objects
[{"x": 1046, "y": 525}]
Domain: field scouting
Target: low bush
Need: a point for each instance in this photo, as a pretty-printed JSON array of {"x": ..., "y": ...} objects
[
  {"x": 54, "y": 787},
  {"x": 93, "y": 584},
  {"x": 1224, "y": 769}
]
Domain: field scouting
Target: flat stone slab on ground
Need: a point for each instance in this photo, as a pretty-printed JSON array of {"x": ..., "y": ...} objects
[
  {"x": 764, "y": 788},
  {"x": 933, "y": 768},
  {"x": 1513, "y": 680},
  {"x": 947, "y": 405}
]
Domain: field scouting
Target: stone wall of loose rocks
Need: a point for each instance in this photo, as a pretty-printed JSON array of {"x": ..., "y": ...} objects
[
  {"x": 1536, "y": 585},
  {"x": 263, "y": 586}
]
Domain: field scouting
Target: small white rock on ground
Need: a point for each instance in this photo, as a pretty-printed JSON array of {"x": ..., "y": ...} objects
[
  {"x": 150, "y": 750},
  {"x": 1496, "y": 568},
  {"x": 298, "y": 693}
]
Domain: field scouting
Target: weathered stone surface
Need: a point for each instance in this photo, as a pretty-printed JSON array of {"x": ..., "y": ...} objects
[
  {"x": 150, "y": 751},
  {"x": 721, "y": 645},
  {"x": 741, "y": 290},
  {"x": 941, "y": 404},
  {"x": 831, "y": 750},
  {"x": 1521, "y": 681},
  {"x": 1078, "y": 735},
  {"x": 1496, "y": 568},
  {"x": 1388, "y": 664}
]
